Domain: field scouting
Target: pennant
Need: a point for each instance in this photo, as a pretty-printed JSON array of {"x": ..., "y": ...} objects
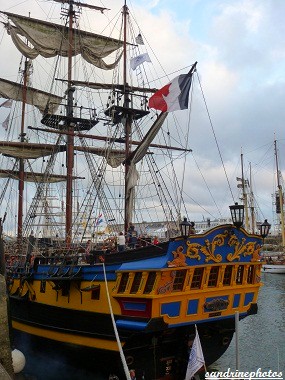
[
  {"x": 139, "y": 39},
  {"x": 196, "y": 357},
  {"x": 5, "y": 123},
  {"x": 7, "y": 103},
  {"x": 136, "y": 61},
  {"x": 174, "y": 96}
]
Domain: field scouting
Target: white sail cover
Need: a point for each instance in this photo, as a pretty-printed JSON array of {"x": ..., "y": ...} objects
[
  {"x": 49, "y": 40},
  {"x": 27, "y": 150},
  {"x": 112, "y": 86},
  {"x": 138, "y": 154},
  {"x": 114, "y": 157},
  {"x": 37, "y": 98},
  {"x": 34, "y": 177}
]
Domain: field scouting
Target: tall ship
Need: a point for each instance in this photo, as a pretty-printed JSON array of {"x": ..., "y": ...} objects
[
  {"x": 274, "y": 262},
  {"x": 106, "y": 156}
]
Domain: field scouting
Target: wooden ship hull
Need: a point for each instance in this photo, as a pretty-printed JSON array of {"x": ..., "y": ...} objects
[{"x": 157, "y": 295}]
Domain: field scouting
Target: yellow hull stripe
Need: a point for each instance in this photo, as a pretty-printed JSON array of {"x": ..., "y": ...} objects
[{"x": 68, "y": 338}]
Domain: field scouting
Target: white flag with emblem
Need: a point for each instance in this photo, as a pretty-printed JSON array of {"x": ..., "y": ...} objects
[
  {"x": 196, "y": 357},
  {"x": 136, "y": 61}
]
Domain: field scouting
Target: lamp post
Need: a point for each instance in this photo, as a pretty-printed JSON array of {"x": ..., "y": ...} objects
[
  {"x": 185, "y": 227},
  {"x": 264, "y": 229},
  {"x": 237, "y": 213}
]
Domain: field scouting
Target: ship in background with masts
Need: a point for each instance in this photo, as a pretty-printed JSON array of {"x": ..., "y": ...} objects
[{"x": 276, "y": 263}]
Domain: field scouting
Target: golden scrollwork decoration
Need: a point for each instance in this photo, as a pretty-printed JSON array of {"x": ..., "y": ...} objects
[
  {"x": 256, "y": 253},
  {"x": 193, "y": 250},
  {"x": 210, "y": 247},
  {"x": 241, "y": 248},
  {"x": 179, "y": 258}
]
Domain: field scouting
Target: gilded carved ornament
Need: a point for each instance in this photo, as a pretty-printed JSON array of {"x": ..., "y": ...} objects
[
  {"x": 194, "y": 250},
  {"x": 247, "y": 249},
  {"x": 208, "y": 249},
  {"x": 165, "y": 284},
  {"x": 179, "y": 258}
]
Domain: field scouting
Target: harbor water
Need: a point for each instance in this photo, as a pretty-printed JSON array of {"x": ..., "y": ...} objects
[
  {"x": 261, "y": 340},
  {"x": 261, "y": 343}
]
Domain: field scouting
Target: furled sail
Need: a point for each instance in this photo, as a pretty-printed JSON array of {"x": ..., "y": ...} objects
[
  {"x": 35, "y": 177},
  {"x": 40, "y": 99},
  {"x": 114, "y": 157},
  {"x": 49, "y": 40},
  {"x": 138, "y": 154},
  {"x": 29, "y": 150},
  {"x": 112, "y": 86},
  {"x": 24, "y": 150}
]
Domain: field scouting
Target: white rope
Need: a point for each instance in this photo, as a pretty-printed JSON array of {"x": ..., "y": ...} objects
[{"x": 126, "y": 369}]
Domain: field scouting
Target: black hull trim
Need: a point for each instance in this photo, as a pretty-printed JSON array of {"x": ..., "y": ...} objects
[
  {"x": 88, "y": 324},
  {"x": 140, "y": 253},
  {"x": 154, "y": 354},
  {"x": 161, "y": 355}
]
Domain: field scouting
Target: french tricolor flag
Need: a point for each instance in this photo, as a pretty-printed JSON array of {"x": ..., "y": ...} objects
[
  {"x": 99, "y": 220},
  {"x": 174, "y": 96}
]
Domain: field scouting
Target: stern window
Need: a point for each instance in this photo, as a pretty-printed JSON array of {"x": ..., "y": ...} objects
[
  {"x": 150, "y": 282},
  {"x": 228, "y": 275},
  {"x": 213, "y": 277},
  {"x": 197, "y": 278},
  {"x": 179, "y": 280},
  {"x": 123, "y": 283},
  {"x": 136, "y": 282},
  {"x": 250, "y": 277},
  {"x": 239, "y": 274}
]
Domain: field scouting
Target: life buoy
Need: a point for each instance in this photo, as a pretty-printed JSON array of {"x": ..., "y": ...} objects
[
  {"x": 129, "y": 360},
  {"x": 225, "y": 340}
]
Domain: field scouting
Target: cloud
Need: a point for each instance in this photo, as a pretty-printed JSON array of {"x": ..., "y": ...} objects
[{"x": 240, "y": 51}]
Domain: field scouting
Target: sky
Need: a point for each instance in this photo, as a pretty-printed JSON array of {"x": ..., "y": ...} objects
[{"x": 240, "y": 50}]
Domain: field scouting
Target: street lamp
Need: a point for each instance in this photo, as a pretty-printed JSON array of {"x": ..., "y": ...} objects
[
  {"x": 237, "y": 213},
  {"x": 264, "y": 229},
  {"x": 185, "y": 227}
]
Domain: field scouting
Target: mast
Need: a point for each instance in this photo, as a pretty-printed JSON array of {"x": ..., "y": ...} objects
[
  {"x": 70, "y": 122},
  {"x": 70, "y": 136},
  {"x": 128, "y": 119},
  {"x": 244, "y": 194},
  {"x": 21, "y": 160},
  {"x": 280, "y": 193},
  {"x": 251, "y": 202}
]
